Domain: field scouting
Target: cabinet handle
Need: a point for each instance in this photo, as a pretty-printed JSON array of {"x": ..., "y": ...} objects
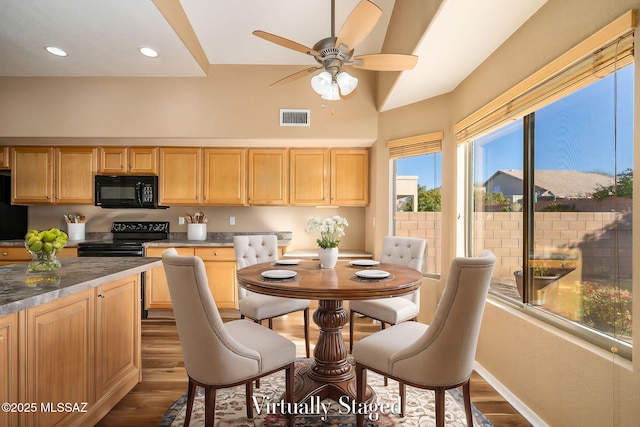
[
  {"x": 100, "y": 295},
  {"x": 215, "y": 254},
  {"x": 4, "y": 254},
  {"x": 48, "y": 197}
]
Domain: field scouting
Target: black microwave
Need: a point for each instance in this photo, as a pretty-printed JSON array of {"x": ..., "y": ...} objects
[{"x": 127, "y": 191}]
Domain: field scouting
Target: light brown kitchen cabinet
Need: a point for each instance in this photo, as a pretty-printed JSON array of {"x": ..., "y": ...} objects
[
  {"x": 46, "y": 175},
  {"x": 309, "y": 177},
  {"x": 59, "y": 357},
  {"x": 220, "y": 264},
  {"x": 128, "y": 161},
  {"x": 268, "y": 177},
  {"x": 180, "y": 176},
  {"x": 5, "y": 158},
  {"x": 83, "y": 349},
  {"x": 349, "y": 177},
  {"x": 156, "y": 293},
  {"x": 225, "y": 177},
  {"x": 323, "y": 177},
  {"x": 117, "y": 334},
  {"x": 9, "y": 367}
]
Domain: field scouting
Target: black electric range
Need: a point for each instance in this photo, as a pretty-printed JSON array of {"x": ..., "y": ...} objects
[{"x": 128, "y": 239}]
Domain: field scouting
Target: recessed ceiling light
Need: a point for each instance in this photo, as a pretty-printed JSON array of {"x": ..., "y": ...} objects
[
  {"x": 147, "y": 51},
  {"x": 55, "y": 51}
]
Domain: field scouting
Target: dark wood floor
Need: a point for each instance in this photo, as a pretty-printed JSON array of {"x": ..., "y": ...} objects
[{"x": 164, "y": 377}]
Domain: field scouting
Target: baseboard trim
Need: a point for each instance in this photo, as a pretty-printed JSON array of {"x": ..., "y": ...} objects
[{"x": 523, "y": 409}]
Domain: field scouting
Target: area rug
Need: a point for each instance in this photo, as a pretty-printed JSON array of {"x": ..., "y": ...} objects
[{"x": 231, "y": 411}]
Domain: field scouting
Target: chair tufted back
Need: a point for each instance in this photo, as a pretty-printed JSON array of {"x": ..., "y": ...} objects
[
  {"x": 407, "y": 251},
  {"x": 254, "y": 249}
]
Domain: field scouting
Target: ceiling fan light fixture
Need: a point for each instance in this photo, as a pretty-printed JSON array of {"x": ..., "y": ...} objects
[
  {"x": 333, "y": 94},
  {"x": 346, "y": 82},
  {"x": 321, "y": 83}
]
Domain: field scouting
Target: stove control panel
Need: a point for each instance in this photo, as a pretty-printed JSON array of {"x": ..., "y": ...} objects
[{"x": 140, "y": 227}]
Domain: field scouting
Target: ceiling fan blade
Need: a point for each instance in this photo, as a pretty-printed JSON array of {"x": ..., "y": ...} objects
[
  {"x": 295, "y": 76},
  {"x": 285, "y": 42},
  {"x": 385, "y": 62},
  {"x": 359, "y": 24}
]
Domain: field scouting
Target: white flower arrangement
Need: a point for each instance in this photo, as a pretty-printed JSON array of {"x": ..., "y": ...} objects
[{"x": 330, "y": 230}]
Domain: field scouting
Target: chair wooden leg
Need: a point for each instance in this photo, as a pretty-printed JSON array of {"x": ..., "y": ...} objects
[
  {"x": 352, "y": 317},
  {"x": 402, "y": 391},
  {"x": 361, "y": 387},
  {"x": 306, "y": 331},
  {"x": 209, "y": 405},
  {"x": 289, "y": 388},
  {"x": 191, "y": 394},
  {"x": 466, "y": 394},
  {"x": 248, "y": 402},
  {"x": 439, "y": 407}
]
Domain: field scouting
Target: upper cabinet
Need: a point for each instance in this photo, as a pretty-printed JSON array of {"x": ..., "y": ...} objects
[
  {"x": 268, "y": 176},
  {"x": 128, "y": 161},
  {"x": 180, "y": 176},
  {"x": 5, "y": 162},
  {"x": 350, "y": 177},
  {"x": 322, "y": 177},
  {"x": 46, "y": 175},
  {"x": 309, "y": 184},
  {"x": 225, "y": 172}
]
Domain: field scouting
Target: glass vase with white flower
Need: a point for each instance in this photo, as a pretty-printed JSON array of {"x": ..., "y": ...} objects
[{"x": 331, "y": 229}]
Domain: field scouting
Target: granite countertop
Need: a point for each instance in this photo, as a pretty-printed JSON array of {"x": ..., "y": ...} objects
[{"x": 20, "y": 289}]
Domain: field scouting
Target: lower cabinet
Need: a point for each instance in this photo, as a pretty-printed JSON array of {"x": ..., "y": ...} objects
[
  {"x": 9, "y": 367},
  {"x": 76, "y": 357},
  {"x": 156, "y": 292},
  {"x": 18, "y": 254},
  {"x": 220, "y": 263}
]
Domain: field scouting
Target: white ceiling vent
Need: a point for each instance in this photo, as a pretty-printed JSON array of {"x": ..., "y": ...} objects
[{"x": 289, "y": 117}]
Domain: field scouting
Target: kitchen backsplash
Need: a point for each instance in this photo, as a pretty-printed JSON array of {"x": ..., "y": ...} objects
[{"x": 249, "y": 218}]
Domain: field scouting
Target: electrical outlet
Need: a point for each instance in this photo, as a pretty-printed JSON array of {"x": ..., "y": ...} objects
[
  {"x": 181, "y": 220},
  {"x": 232, "y": 220}
]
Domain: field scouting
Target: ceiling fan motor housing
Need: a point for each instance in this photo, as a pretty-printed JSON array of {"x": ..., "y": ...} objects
[{"x": 331, "y": 57}]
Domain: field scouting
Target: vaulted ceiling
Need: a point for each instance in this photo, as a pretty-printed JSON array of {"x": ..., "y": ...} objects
[{"x": 102, "y": 38}]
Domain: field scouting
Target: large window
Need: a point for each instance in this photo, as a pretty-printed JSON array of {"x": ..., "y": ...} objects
[{"x": 552, "y": 197}]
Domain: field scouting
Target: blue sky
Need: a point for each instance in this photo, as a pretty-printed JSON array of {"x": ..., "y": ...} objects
[{"x": 574, "y": 133}]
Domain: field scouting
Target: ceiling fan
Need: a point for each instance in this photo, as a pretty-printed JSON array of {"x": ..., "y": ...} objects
[{"x": 333, "y": 53}]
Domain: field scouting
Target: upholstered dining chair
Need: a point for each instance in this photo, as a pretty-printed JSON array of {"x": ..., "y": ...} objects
[
  {"x": 216, "y": 354},
  {"x": 438, "y": 356},
  {"x": 407, "y": 251},
  {"x": 254, "y": 249}
]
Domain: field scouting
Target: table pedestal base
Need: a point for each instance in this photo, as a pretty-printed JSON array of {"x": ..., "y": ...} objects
[{"x": 330, "y": 375}]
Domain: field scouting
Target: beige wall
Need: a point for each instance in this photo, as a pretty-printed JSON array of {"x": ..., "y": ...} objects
[
  {"x": 563, "y": 380},
  {"x": 234, "y": 106}
]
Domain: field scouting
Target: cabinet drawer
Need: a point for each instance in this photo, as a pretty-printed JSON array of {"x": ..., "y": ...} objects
[
  {"x": 158, "y": 250},
  {"x": 216, "y": 254},
  {"x": 14, "y": 254}
]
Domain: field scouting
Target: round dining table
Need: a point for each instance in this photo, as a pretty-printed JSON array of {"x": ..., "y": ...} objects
[{"x": 330, "y": 373}]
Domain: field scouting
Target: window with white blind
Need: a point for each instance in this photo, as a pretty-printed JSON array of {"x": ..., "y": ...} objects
[
  {"x": 417, "y": 172},
  {"x": 552, "y": 171}
]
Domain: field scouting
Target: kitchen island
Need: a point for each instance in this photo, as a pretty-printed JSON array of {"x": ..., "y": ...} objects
[{"x": 69, "y": 339}]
